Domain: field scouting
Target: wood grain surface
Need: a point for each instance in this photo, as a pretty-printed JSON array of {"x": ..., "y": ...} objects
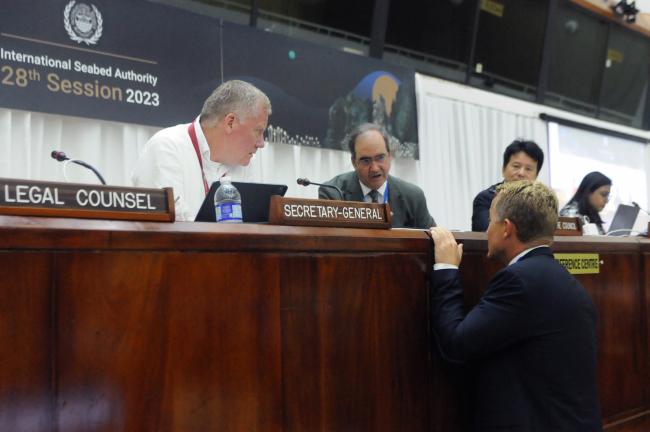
[{"x": 138, "y": 326}]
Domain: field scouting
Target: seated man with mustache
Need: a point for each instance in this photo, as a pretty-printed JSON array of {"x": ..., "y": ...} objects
[{"x": 370, "y": 181}]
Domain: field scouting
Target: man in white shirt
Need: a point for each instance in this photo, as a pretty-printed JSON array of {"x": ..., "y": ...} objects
[{"x": 222, "y": 140}]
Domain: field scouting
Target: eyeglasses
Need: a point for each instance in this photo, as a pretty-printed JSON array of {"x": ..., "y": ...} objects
[{"x": 367, "y": 161}]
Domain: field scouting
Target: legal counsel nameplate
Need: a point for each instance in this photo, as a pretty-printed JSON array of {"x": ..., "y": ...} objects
[{"x": 40, "y": 198}]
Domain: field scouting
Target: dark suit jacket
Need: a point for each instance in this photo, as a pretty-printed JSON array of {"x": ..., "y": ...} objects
[
  {"x": 407, "y": 201},
  {"x": 532, "y": 338},
  {"x": 481, "y": 208}
]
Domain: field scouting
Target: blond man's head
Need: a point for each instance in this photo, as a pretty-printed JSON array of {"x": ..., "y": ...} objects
[{"x": 530, "y": 206}]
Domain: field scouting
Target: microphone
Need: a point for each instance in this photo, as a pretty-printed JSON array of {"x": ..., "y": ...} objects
[
  {"x": 61, "y": 157},
  {"x": 307, "y": 182}
]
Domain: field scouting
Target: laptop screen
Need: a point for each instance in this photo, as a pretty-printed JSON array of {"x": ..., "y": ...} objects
[
  {"x": 623, "y": 221},
  {"x": 255, "y": 201}
]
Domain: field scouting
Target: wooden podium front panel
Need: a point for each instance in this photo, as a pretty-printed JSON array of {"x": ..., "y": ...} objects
[
  {"x": 356, "y": 342},
  {"x": 119, "y": 326},
  {"x": 195, "y": 327},
  {"x": 619, "y": 293},
  {"x": 176, "y": 341},
  {"x": 622, "y": 357},
  {"x": 26, "y": 346}
]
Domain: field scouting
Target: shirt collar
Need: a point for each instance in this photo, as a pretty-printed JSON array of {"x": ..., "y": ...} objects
[
  {"x": 520, "y": 255},
  {"x": 382, "y": 189},
  {"x": 213, "y": 170},
  {"x": 204, "y": 148}
]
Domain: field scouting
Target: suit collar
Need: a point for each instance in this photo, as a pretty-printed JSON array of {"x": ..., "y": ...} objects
[
  {"x": 394, "y": 192},
  {"x": 535, "y": 250},
  {"x": 352, "y": 190},
  {"x": 493, "y": 189}
]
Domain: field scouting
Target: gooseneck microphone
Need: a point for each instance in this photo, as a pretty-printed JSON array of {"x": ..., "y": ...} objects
[
  {"x": 62, "y": 157},
  {"x": 59, "y": 155},
  {"x": 307, "y": 182}
]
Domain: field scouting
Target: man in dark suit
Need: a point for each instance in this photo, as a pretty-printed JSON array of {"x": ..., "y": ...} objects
[
  {"x": 522, "y": 160},
  {"x": 370, "y": 182},
  {"x": 532, "y": 336}
]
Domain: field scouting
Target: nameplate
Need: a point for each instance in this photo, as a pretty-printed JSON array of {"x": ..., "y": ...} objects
[
  {"x": 40, "y": 198},
  {"x": 579, "y": 263},
  {"x": 311, "y": 212},
  {"x": 568, "y": 226}
]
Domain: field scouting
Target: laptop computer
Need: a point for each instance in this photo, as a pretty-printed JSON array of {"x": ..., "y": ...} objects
[
  {"x": 255, "y": 201},
  {"x": 623, "y": 221}
]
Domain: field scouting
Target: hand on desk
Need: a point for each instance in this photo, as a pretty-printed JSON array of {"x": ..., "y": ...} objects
[{"x": 447, "y": 251}]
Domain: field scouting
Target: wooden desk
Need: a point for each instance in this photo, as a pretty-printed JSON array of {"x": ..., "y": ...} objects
[
  {"x": 123, "y": 326},
  {"x": 128, "y": 326}
]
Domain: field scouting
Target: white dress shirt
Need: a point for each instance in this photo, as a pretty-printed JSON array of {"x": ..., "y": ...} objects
[
  {"x": 366, "y": 190},
  {"x": 169, "y": 160}
]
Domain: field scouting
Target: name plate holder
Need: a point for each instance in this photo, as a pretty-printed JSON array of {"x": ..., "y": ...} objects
[
  {"x": 75, "y": 200},
  {"x": 328, "y": 213},
  {"x": 568, "y": 226}
]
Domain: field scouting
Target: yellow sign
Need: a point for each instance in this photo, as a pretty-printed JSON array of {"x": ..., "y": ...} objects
[
  {"x": 576, "y": 263},
  {"x": 493, "y": 7}
]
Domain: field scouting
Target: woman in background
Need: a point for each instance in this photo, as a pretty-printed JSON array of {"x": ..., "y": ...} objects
[{"x": 590, "y": 199}]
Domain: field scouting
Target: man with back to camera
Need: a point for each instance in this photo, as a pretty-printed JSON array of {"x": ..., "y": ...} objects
[
  {"x": 522, "y": 160},
  {"x": 370, "y": 181},
  {"x": 222, "y": 140},
  {"x": 532, "y": 335}
]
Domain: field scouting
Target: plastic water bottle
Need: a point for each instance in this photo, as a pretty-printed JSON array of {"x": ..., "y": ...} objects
[{"x": 227, "y": 202}]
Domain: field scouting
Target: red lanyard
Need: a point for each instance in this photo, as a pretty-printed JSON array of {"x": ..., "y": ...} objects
[{"x": 195, "y": 143}]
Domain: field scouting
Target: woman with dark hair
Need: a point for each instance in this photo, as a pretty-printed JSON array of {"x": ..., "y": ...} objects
[{"x": 590, "y": 199}]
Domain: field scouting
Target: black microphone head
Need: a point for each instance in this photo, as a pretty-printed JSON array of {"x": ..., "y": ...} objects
[
  {"x": 303, "y": 181},
  {"x": 59, "y": 155}
]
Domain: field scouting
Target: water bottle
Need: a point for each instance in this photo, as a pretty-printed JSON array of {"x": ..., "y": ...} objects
[{"x": 227, "y": 202}]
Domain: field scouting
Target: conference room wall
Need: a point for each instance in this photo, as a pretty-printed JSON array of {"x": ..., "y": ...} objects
[{"x": 462, "y": 133}]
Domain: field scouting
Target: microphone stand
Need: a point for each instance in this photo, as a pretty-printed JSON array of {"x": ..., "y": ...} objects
[
  {"x": 90, "y": 167},
  {"x": 307, "y": 182},
  {"x": 61, "y": 157}
]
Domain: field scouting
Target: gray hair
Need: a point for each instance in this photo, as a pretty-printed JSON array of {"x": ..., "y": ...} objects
[
  {"x": 351, "y": 138},
  {"x": 234, "y": 96}
]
